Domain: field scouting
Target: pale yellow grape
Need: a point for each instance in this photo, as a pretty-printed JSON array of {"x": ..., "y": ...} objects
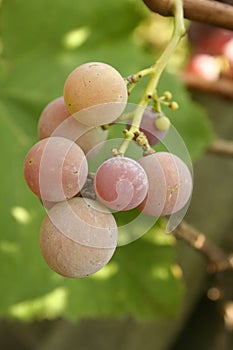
[
  {"x": 78, "y": 237},
  {"x": 95, "y": 93}
]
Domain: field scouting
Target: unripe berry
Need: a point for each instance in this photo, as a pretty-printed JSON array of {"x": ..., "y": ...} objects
[
  {"x": 174, "y": 105},
  {"x": 167, "y": 95},
  {"x": 162, "y": 123}
]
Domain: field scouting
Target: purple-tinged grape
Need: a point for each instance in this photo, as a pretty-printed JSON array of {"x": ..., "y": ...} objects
[
  {"x": 170, "y": 184},
  {"x": 95, "y": 93},
  {"x": 121, "y": 183},
  {"x": 55, "y": 169},
  {"x": 149, "y": 128},
  {"x": 198, "y": 31},
  {"x": 214, "y": 43},
  {"x": 78, "y": 237},
  {"x": 56, "y": 120}
]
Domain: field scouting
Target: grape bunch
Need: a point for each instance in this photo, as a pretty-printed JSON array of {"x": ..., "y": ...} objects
[{"x": 79, "y": 234}]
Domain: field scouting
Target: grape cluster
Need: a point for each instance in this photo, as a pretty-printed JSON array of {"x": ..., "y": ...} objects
[{"x": 79, "y": 233}]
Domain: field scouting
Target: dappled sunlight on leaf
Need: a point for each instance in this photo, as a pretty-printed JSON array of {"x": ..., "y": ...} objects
[
  {"x": 106, "y": 272},
  {"x": 8, "y": 247},
  {"x": 161, "y": 273},
  {"x": 21, "y": 215},
  {"x": 49, "y": 306},
  {"x": 76, "y": 38}
]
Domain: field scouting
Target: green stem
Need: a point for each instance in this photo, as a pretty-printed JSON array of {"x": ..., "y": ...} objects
[
  {"x": 178, "y": 32},
  {"x": 155, "y": 71}
]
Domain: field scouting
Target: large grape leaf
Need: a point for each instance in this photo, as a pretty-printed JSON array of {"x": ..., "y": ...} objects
[
  {"x": 34, "y": 64},
  {"x": 137, "y": 282}
]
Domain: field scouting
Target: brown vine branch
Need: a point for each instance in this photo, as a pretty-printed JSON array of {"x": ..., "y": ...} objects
[
  {"x": 219, "y": 261},
  {"x": 222, "y": 147},
  {"x": 223, "y": 86},
  {"x": 205, "y": 11}
]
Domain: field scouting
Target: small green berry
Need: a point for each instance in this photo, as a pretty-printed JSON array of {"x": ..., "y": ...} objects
[
  {"x": 167, "y": 95},
  {"x": 162, "y": 123},
  {"x": 173, "y": 105}
]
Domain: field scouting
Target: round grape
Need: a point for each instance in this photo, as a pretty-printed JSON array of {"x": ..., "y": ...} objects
[
  {"x": 162, "y": 123},
  {"x": 78, "y": 237},
  {"x": 170, "y": 184},
  {"x": 52, "y": 116},
  {"x": 121, "y": 183},
  {"x": 228, "y": 50},
  {"x": 95, "y": 93},
  {"x": 204, "y": 66},
  {"x": 55, "y": 169},
  {"x": 56, "y": 120}
]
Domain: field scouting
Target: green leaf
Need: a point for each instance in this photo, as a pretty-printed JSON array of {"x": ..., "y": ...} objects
[
  {"x": 137, "y": 282},
  {"x": 21, "y": 268},
  {"x": 44, "y": 24},
  {"x": 35, "y": 62}
]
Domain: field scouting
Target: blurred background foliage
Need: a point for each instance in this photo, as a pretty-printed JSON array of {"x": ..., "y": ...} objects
[{"x": 41, "y": 43}]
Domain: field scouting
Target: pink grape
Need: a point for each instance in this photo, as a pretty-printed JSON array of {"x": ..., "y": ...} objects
[
  {"x": 170, "y": 184},
  {"x": 204, "y": 66},
  {"x": 121, "y": 183},
  {"x": 52, "y": 116},
  {"x": 78, "y": 237},
  {"x": 56, "y": 120},
  {"x": 46, "y": 204},
  {"x": 55, "y": 169},
  {"x": 228, "y": 50},
  {"x": 95, "y": 93},
  {"x": 148, "y": 127}
]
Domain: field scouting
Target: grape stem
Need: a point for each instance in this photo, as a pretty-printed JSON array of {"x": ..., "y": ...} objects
[
  {"x": 219, "y": 260},
  {"x": 222, "y": 147},
  {"x": 205, "y": 11},
  {"x": 155, "y": 72},
  {"x": 222, "y": 86}
]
